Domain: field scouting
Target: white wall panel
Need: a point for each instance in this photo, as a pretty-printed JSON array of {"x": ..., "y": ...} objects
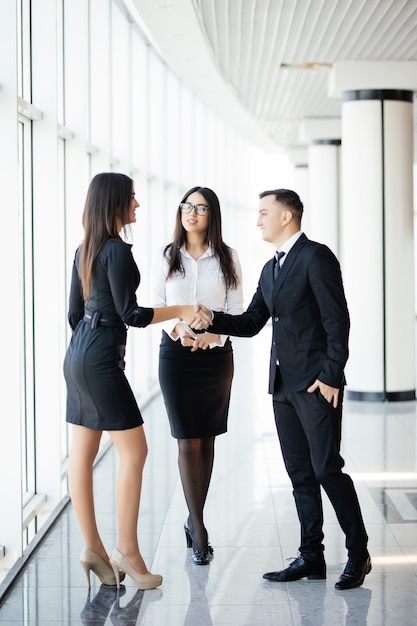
[{"x": 10, "y": 316}]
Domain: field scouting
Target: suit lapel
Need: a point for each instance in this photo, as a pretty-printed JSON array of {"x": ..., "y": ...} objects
[{"x": 268, "y": 282}]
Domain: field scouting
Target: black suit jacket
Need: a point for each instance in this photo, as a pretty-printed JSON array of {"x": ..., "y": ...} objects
[{"x": 310, "y": 318}]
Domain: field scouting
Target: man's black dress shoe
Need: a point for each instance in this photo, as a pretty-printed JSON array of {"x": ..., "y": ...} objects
[
  {"x": 299, "y": 568},
  {"x": 354, "y": 573}
]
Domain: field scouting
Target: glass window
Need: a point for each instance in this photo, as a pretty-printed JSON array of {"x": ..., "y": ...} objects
[
  {"x": 73, "y": 66},
  {"x": 199, "y": 137},
  {"x": 157, "y": 103},
  {"x": 173, "y": 137},
  {"x": 120, "y": 84},
  {"x": 140, "y": 103},
  {"x": 60, "y": 65},
  {"x": 26, "y": 314},
  {"x": 139, "y": 369},
  {"x": 23, "y": 50},
  {"x": 65, "y": 329},
  {"x": 100, "y": 63},
  {"x": 186, "y": 138},
  {"x": 211, "y": 147}
]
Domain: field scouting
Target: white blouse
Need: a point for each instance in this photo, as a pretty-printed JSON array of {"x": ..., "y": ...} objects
[{"x": 203, "y": 283}]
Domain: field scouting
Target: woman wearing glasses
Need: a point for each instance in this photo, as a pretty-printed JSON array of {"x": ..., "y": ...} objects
[{"x": 197, "y": 266}]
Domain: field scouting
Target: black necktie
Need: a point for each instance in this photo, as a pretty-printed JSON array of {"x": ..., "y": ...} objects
[{"x": 278, "y": 257}]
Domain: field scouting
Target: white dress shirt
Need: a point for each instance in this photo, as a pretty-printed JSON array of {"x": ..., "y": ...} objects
[
  {"x": 202, "y": 283},
  {"x": 286, "y": 247}
]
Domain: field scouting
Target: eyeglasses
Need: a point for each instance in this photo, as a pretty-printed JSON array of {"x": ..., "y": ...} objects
[{"x": 201, "y": 209}]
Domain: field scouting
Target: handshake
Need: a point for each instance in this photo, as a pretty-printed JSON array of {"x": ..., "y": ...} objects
[
  {"x": 202, "y": 317},
  {"x": 195, "y": 317}
]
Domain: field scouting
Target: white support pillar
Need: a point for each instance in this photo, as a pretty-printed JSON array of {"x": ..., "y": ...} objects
[
  {"x": 377, "y": 227},
  {"x": 323, "y": 136}
]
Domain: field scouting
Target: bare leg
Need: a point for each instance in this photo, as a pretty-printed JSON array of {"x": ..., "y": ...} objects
[
  {"x": 84, "y": 448},
  {"x": 132, "y": 449},
  {"x": 195, "y": 461}
]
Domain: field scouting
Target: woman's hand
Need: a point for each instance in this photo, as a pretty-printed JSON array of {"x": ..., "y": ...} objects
[
  {"x": 186, "y": 334},
  {"x": 203, "y": 341}
]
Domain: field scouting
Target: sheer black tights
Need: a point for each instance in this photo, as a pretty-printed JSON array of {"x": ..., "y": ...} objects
[{"x": 195, "y": 461}]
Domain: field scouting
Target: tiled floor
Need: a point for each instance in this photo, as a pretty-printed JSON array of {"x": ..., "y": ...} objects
[{"x": 253, "y": 527}]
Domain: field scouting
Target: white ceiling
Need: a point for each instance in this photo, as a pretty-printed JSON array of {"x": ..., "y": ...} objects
[{"x": 265, "y": 64}]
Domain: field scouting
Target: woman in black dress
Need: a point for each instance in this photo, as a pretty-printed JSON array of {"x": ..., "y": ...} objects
[
  {"x": 102, "y": 305},
  {"x": 197, "y": 267}
]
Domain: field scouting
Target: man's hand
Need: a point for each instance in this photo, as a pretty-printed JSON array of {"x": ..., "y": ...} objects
[
  {"x": 331, "y": 394},
  {"x": 197, "y": 316},
  {"x": 204, "y": 340},
  {"x": 201, "y": 313}
]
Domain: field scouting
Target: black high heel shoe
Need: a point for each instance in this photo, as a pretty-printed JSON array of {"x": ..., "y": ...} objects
[
  {"x": 201, "y": 557},
  {"x": 189, "y": 540},
  {"x": 188, "y": 536}
]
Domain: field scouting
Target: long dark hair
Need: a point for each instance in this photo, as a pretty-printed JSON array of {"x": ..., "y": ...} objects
[
  {"x": 213, "y": 238},
  {"x": 106, "y": 206}
]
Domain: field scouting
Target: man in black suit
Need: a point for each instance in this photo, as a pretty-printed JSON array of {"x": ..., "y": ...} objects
[{"x": 301, "y": 289}]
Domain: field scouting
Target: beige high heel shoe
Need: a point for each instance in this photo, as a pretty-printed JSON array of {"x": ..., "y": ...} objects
[
  {"x": 142, "y": 581},
  {"x": 92, "y": 561}
]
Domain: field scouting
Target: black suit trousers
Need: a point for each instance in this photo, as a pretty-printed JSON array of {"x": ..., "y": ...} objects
[{"x": 309, "y": 431}]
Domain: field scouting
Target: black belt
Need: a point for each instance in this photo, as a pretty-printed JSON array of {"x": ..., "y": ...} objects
[{"x": 95, "y": 319}]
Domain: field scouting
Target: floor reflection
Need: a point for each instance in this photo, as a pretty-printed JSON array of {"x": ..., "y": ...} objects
[
  {"x": 198, "y": 612},
  {"x": 107, "y": 604},
  {"x": 96, "y": 610},
  {"x": 128, "y": 614},
  {"x": 357, "y": 605}
]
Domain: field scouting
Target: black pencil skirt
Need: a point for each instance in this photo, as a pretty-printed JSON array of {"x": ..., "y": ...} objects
[
  {"x": 99, "y": 395},
  {"x": 196, "y": 388}
]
